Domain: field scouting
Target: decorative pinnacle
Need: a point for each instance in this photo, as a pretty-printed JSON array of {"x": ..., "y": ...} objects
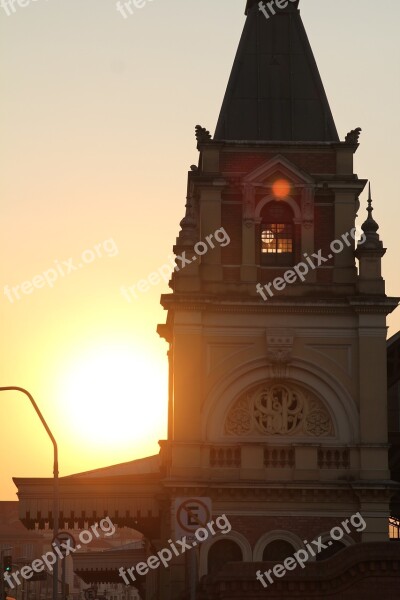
[
  {"x": 188, "y": 224},
  {"x": 370, "y": 226},
  {"x": 369, "y": 209},
  {"x": 189, "y": 220}
]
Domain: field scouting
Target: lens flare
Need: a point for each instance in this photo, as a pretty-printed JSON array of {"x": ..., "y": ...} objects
[{"x": 281, "y": 188}]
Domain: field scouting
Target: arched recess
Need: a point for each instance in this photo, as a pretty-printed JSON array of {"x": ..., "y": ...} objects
[
  {"x": 337, "y": 400},
  {"x": 335, "y": 546},
  {"x": 222, "y": 552},
  {"x": 277, "y": 551},
  {"x": 273, "y": 536},
  {"x": 232, "y": 536},
  {"x": 289, "y": 200}
]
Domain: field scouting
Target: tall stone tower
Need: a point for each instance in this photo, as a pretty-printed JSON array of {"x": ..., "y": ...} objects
[{"x": 278, "y": 395}]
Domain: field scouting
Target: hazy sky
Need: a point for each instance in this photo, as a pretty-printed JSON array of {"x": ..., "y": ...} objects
[{"x": 97, "y": 135}]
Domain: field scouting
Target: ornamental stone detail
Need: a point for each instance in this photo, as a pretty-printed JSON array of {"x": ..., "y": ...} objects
[
  {"x": 279, "y": 351},
  {"x": 278, "y": 409}
]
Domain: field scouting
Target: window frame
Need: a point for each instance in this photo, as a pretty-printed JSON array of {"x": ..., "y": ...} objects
[{"x": 269, "y": 223}]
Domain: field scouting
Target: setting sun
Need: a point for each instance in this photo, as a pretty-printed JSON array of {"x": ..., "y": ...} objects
[{"x": 116, "y": 396}]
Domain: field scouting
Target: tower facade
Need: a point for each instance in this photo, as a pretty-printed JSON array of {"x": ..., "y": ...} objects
[{"x": 278, "y": 389}]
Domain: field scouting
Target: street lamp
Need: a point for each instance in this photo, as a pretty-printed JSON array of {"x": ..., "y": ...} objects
[{"x": 55, "y": 473}]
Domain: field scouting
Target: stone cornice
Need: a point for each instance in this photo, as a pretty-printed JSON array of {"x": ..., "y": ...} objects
[
  {"x": 359, "y": 304},
  {"x": 232, "y": 145},
  {"x": 279, "y": 492}
]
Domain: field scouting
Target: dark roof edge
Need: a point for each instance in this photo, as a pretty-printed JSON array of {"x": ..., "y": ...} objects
[
  {"x": 292, "y": 5},
  {"x": 392, "y": 340}
]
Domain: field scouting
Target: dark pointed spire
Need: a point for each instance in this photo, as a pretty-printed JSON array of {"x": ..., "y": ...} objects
[{"x": 275, "y": 92}]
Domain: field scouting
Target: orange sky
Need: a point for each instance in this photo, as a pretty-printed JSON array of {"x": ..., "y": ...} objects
[{"x": 97, "y": 129}]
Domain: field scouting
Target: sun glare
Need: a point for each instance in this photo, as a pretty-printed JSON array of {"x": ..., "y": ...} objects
[
  {"x": 281, "y": 188},
  {"x": 116, "y": 397}
]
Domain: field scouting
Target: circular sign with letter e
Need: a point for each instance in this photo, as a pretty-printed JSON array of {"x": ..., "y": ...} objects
[
  {"x": 64, "y": 541},
  {"x": 190, "y": 515},
  {"x": 90, "y": 594}
]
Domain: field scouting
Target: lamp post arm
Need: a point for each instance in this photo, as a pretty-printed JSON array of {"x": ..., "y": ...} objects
[
  {"x": 41, "y": 417},
  {"x": 55, "y": 473}
]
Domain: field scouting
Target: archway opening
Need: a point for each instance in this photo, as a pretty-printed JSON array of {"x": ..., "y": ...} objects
[
  {"x": 278, "y": 550},
  {"x": 222, "y": 552}
]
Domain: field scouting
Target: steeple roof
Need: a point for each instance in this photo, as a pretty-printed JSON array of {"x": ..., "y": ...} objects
[{"x": 275, "y": 92}]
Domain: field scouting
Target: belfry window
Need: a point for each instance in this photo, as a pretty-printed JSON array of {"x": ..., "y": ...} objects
[{"x": 277, "y": 234}]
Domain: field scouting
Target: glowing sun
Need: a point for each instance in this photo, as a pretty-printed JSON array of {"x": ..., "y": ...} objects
[{"x": 115, "y": 395}]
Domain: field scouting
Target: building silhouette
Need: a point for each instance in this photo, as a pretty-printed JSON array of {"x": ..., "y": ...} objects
[{"x": 278, "y": 412}]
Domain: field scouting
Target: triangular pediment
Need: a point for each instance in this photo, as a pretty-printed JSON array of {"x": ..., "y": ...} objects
[{"x": 277, "y": 167}]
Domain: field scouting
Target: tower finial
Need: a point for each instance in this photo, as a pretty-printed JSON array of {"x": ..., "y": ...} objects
[
  {"x": 370, "y": 225},
  {"x": 369, "y": 252},
  {"x": 369, "y": 209}
]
